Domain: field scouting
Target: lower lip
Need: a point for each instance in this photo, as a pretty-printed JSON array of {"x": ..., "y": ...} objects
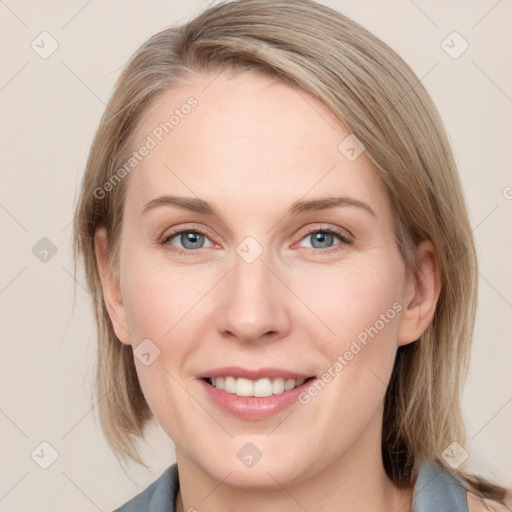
[{"x": 251, "y": 407}]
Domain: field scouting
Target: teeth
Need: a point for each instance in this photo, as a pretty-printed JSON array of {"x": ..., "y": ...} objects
[
  {"x": 277, "y": 386},
  {"x": 289, "y": 384},
  {"x": 262, "y": 387},
  {"x": 244, "y": 387},
  {"x": 230, "y": 385},
  {"x": 258, "y": 388}
]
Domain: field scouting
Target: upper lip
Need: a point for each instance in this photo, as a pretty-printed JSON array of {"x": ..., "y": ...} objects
[{"x": 253, "y": 374}]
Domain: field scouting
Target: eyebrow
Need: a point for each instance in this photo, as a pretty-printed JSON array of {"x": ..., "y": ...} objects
[{"x": 297, "y": 208}]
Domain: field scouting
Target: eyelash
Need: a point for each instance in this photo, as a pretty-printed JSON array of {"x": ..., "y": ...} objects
[{"x": 345, "y": 240}]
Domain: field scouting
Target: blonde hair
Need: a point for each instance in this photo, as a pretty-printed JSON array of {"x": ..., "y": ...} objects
[{"x": 378, "y": 97}]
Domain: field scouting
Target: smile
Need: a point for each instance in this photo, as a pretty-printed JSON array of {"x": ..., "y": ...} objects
[
  {"x": 253, "y": 394},
  {"x": 258, "y": 388}
]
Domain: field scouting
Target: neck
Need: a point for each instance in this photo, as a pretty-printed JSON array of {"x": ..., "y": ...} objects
[{"x": 355, "y": 481}]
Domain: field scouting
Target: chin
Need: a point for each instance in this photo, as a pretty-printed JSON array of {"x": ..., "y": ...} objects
[
  {"x": 260, "y": 478},
  {"x": 270, "y": 472}
]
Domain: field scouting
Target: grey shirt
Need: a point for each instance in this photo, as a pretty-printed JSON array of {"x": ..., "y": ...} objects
[{"x": 436, "y": 490}]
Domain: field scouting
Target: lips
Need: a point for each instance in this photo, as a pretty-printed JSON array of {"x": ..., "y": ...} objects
[{"x": 253, "y": 394}]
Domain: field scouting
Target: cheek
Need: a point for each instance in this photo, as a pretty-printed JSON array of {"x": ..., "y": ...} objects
[
  {"x": 361, "y": 304},
  {"x": 160, "y": 307},
  {"x": 354, "y": 301},
  {"x": 158, "y": 299},
  {"x": 165, "y": 304}
]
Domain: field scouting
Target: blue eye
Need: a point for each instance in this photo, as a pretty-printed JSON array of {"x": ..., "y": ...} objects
[
  {"x": 321, "y": 239},
  {"x": 324, "y": 239},
  {"x": 189, "y": 239}
]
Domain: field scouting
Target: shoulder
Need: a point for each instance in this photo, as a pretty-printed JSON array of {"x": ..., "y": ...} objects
[
  {"x": 477, "y": 504},
  {"x": 160, "y": 496},
  {"x": 438, "y": 489}
]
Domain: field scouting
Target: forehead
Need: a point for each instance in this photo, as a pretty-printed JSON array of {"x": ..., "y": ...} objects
[{"x": 243, "y": 137}]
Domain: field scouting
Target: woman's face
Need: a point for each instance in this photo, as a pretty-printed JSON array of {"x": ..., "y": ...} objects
[{"x": 280, "y": 265}]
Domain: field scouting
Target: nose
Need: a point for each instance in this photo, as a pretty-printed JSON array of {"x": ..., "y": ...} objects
[{"x": 253, "y": 303}]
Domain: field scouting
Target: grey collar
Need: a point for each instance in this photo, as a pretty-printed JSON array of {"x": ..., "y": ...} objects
[{"x": 436, "y": 490}]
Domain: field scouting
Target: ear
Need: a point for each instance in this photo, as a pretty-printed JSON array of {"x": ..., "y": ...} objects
[
  {"x": 421, "y": 293},
  {"x": 111, "y": 287}
]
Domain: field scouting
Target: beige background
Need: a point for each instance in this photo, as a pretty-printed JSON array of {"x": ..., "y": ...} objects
[{"x": 50, "y": 108}]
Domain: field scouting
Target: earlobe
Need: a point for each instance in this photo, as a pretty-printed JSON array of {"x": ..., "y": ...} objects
[
  {"x": 421, "y": 293},
  {"x": 111, "y": 287}
]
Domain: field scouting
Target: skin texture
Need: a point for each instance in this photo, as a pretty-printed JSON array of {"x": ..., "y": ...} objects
[{"x": 252, "y": 147}]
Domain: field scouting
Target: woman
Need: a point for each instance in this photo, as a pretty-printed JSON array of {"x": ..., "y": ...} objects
[{"x": 275, "y": 236}]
